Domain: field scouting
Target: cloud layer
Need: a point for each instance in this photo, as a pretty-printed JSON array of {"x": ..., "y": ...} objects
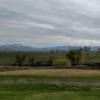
[{"x": 50, "y": 22}]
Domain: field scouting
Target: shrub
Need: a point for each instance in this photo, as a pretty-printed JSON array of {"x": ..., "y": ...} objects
[
  {"x": 37, "y": 62},
  {"x": 61, "y": 62},
  {"x": 50, "y": 60},
  {"x": 41, "y": 62},
  {"x": 31, "y": 61},
  {"x": 20, "y": 59}
]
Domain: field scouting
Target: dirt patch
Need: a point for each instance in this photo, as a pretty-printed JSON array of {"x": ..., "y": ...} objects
[{"x": 13, "y": 68}]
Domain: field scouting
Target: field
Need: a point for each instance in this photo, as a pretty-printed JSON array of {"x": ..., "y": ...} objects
[{"x": 50, "y": 84}]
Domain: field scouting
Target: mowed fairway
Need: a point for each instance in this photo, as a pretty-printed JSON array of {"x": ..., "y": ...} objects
[{"x": 50, "y": 84}]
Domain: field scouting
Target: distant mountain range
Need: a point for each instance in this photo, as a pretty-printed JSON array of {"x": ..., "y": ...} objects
[{"x": 19, "y": 47}]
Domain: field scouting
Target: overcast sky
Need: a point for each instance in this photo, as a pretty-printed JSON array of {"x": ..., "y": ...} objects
[{"x": 43, "y": 23}]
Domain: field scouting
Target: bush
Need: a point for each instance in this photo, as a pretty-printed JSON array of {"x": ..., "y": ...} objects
[
  {"x": 61, "y": 62},
  {"x": 20, "y": 59},
  {"x": 41, "y": 61},
  {"x": 31, "y": 61},
  {"x": 50, "y": 60}
]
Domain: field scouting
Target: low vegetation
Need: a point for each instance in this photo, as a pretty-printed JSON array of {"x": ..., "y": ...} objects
[
  {"x": 63, "y": 63},
  {"x": 50, "y": 84},
  {"x": 69, "y": 59},
  {"x": 47, "y": 92}
]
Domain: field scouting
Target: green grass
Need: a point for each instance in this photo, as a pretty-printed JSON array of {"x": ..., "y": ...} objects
[
  {"x": 47, "y": 92},
  {"x": 7, "y": 60}
]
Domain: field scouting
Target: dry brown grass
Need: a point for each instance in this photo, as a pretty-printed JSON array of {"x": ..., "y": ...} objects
[{"x": 54, "y": 73}]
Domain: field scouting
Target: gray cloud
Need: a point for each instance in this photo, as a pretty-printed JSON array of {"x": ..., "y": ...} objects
[{"x": 50, "y": 22}]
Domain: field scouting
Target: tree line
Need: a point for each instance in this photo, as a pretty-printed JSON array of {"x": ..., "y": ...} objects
[{"x": 73, "y": 57}]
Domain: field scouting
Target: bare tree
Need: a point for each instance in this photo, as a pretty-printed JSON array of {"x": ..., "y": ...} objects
[{"x": 75, "y": 56}]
